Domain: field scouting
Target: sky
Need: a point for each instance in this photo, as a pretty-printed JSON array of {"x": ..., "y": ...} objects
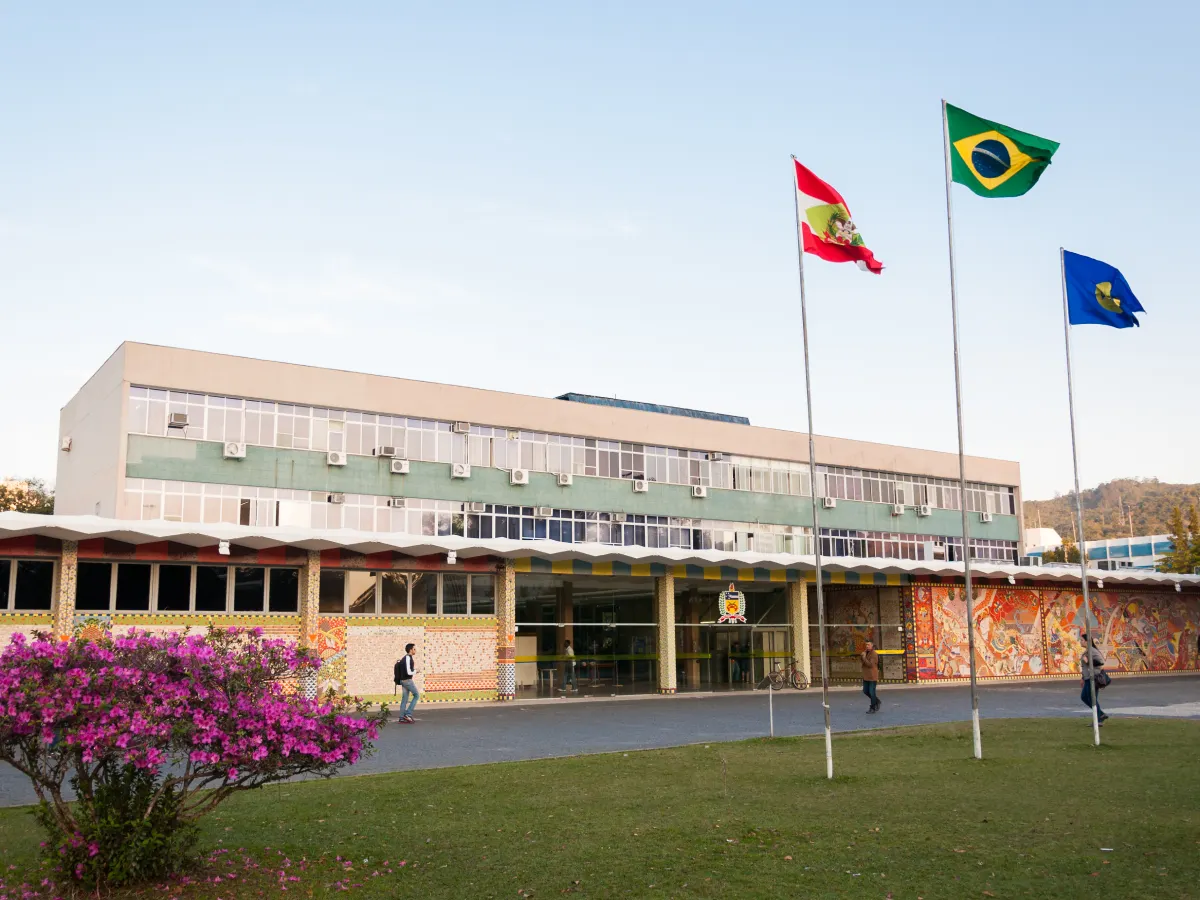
[{"x": 543, "y": 198}]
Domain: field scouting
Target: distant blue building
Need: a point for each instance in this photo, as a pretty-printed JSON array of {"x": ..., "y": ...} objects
[{"x": 1145, "y": 552}]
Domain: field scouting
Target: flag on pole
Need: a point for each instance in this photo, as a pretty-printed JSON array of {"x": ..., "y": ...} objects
[
  {"x": 1097, "y": 293},
  {"x": 826, "y": 226},
  {"x": 994, "y": 160}
]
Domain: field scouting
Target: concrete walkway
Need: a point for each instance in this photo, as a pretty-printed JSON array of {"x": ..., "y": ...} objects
[{"x": 457, "y": 736}]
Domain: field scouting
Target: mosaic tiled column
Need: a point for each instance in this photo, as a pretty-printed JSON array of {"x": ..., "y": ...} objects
[
  {"x": 798, "y": 600},
  {"x": 310, "y": 612},
  {"x": 506, "y": 630},
  {"x": 664, "y": 601},
  {"x": 910, "y": 633},
  {"x": 64, "y": 590}
]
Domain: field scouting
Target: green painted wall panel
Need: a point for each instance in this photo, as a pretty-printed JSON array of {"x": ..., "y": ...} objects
[{"x": 180, "y": 460}]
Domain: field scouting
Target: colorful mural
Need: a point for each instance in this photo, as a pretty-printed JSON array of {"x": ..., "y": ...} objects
[
  {"x": 330, "y": 644},
  {"x": 1025, "y": 632},
  {"x": 1009, "y": 640}
]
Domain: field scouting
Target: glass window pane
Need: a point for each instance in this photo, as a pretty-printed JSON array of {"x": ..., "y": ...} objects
[
  {"x": 35, "y": 581},
  {"x": 91, "y": 587},
  {"x": 5, "y": 572},
  {"x": 133, "y": 586},
  {"x": 333, "y": 592},
  {"x": 394, "y": 591},
  {"x": 362, "y": 592},
  {"x": 283, "y": 590},
  {"x": 424, "y": 594},
  {"x": 483, "y": 600},
  {"x": 174, "y": 588},
  {"x": 210, "y": 588},
  {"x": 454, "y": 595},
  {"x": 248, "y": 588}
]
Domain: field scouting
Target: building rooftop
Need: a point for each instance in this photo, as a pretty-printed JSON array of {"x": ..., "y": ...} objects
[{"x": 654, "y": 408}]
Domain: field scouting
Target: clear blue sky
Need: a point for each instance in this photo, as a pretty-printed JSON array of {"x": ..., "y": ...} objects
[{"x": 541, "y": 198}]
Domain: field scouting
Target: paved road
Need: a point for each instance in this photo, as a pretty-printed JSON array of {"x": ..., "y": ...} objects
[{"x": 457, "y": 736}]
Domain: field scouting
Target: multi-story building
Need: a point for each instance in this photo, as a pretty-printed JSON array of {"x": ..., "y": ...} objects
[
  {"x": 183, "y": 436},
  {"x": 672, "y": 548},
  {"x": 1108, "y": 554}
]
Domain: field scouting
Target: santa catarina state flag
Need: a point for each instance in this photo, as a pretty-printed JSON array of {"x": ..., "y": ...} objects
[
  {"x": 826, "y": 226},
  {"x": 994, "y": 160}
]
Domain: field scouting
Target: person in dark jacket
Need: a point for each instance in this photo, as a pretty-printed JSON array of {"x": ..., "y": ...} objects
[
  {"x": 406, "y": 670},
  {"x": 870, "y": 675},
  {"x": 1092, "y": 659}
]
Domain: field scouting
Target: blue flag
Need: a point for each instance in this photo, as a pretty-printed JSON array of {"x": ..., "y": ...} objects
[{"x": 1098, "y": 294}]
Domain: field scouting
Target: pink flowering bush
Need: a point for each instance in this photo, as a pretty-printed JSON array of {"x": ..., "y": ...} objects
[{"x": 152, "y": 731}]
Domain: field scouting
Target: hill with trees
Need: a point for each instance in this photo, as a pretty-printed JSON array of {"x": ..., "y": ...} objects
[{"x": 1112, "y": 509}]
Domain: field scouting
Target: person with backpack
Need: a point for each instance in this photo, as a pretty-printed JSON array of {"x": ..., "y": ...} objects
[
  {"x": 1093, "y": 659},
  {"x": 403, "y": 673}
]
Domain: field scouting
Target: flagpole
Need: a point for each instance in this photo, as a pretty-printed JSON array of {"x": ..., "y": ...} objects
[
  {"x": 1083, "y": 575},
  {"x": 812, "y": 471},
  {"x": 962, "y": 459}
]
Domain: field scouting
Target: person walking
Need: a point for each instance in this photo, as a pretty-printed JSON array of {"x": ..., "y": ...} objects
[
  {"x": 1093, "y": 659},
  {"x": 569, "y": 670},
  {"x": 870, "y": 675},
  {"x": 406, "y": 670}
]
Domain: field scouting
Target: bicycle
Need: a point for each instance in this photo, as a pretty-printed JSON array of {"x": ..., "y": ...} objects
[{"x": 786, "y": 675}]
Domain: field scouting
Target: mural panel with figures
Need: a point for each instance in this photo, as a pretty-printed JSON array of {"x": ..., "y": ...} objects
[{"x": 1029, "y": 632}]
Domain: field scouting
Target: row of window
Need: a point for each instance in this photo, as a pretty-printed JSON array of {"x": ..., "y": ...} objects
[
  {"x": 269, "y": 424},
  {"x": 886, "y": 545},
  {"x": 130, "y": 587},
  {"x": 266, "y": 507},
  {"x": 351, "y": 592}
]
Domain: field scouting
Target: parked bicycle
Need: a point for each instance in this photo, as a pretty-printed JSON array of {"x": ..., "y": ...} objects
[{"x": 785, "y": 675}]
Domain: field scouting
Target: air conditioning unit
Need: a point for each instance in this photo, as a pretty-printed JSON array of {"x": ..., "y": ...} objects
[
  {"x": 477, "y": 507},
  {"x": 461, "y": 428},
  {"x": 518, "y": 476},
  {"x": 1031, "y": 560},
  {"x": 543, "y": 512},
  {"x": 65, "y": 445},
  {"x": 233, "y": 450},
  {"x": 335, "y": 458},
  {"x": 985, "y": 517},
  {"x": 829, "y": 502},
  {"x": 641, "y": 486},
  {"x": 460, "y": 470},
  {"x": 399, "y": 467},
  {"x": 716, "y": 457},
  {"x": 935, "y": 550},
  {"x": 384, "y": 451},
  {"x": 897, "y": 509},
  {"x": 565, "y": 479},
  {"x": 699, "y": 491},
  {"x": 337, "y": 498},
  {"x": 924, "y": 510},
  {"x": 397, "y": 502},
  {"x": 177, "y": 420},
  {"x": 618, "y": 517}
]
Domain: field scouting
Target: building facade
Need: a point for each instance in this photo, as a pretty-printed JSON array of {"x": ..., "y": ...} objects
[
  {"x": 354, "y": 513},
  {"x": 1110, "y": 554},
  {"x": 492, "y": 618},
  {"x": 176, "y": 435}
]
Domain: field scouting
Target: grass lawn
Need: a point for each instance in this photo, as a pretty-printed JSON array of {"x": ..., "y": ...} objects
[{"x": 911, "y": 815}]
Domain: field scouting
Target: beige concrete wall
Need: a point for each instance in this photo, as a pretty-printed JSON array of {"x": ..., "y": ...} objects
[
  {"x": 167, "y": 367},
  {"x": 91, "y": 477}
]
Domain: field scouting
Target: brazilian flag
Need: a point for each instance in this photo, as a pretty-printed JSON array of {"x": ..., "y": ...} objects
[{"x": 992, "y": 159}]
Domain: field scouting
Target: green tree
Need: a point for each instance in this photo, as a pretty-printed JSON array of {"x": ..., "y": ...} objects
[
  {"x": 1180, "y": 557},
  {"x": 1070, "y": 551},
  {"x": 29, "y": 496},
  {"x": 1194, "y": 531}
]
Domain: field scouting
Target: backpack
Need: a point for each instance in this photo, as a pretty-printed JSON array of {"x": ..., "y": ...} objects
[{"x": 398, "y": 671}]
